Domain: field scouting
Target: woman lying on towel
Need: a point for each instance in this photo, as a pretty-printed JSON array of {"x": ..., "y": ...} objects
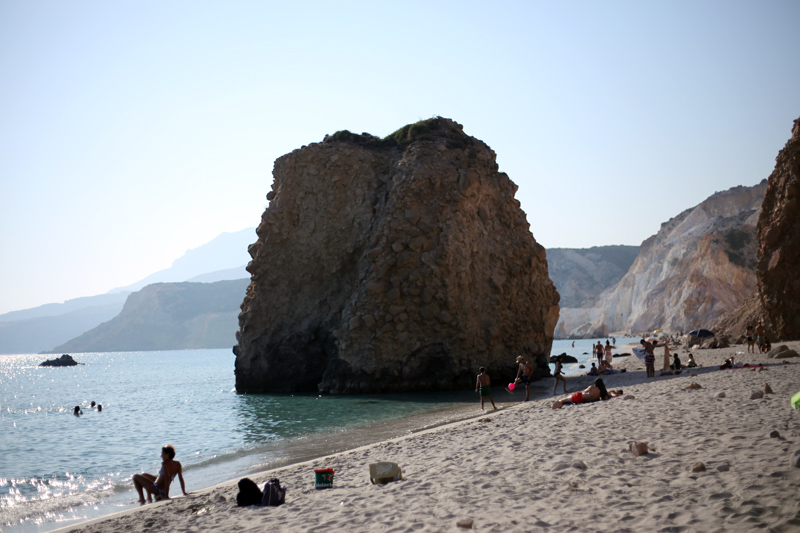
[{"x": 592, "y": 393}]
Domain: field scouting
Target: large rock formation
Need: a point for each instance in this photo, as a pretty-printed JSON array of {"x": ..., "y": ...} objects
[
  {"x": 392, "y": 265},
  {"x": 776, "y": 300},
  {"x": 168, "y": 316},
  {"x": 581, "y": 274},
  {"x": 698, "y": 267}
]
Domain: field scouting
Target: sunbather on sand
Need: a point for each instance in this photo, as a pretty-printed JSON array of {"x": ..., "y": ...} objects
[{"x": 592, "y": 393}]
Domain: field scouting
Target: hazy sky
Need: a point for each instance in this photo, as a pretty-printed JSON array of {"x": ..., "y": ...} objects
[{"x": 133, "y": 131}]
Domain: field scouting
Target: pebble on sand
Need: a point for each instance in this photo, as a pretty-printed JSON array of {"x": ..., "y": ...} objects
[
  {"x": 767, "y": 389},
  {"x": 756, "y": 394},
  {"x": 465, "y": 523},
  {"x": 638, "y": 448},
  {"x": 795, "y": 459},
  {"x": 720, "y": 395},
  {"x": 698, "y": 467},
  {"x": 774, "y": 434}
]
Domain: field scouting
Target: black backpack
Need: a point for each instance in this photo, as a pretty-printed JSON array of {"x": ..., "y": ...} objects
[
  {"x": 249, "y": 493},
  {"x": 274, "y": 494}
]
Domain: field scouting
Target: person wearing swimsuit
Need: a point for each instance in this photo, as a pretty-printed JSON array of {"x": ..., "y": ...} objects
[
  {"x": 158, "y": 487},
  {"x": 592, "y": 393}
]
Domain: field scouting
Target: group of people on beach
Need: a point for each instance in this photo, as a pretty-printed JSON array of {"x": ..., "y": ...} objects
[
  {"x": 757, "y": 336},
  {"x": 524, "y": 377}
]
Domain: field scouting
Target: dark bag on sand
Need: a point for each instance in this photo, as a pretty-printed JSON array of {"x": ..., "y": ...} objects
[
  {"x": 249, "y": 493},
  {"x": 274, "y": 494}
]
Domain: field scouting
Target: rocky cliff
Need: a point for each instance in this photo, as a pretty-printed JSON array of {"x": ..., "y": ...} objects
[
  {"x": 168, "y": 316},
  {"x": 581, "y": 274},
  {"x": 776, "y": 299},
  {"x": 698, "y": 267},
  {"x": 392, "y": 264}
]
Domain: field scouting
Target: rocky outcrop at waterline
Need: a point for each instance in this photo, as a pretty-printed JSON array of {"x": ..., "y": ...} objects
[{"x": 392, "y": 264}]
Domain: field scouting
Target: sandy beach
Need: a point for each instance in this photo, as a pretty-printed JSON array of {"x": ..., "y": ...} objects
[{"x": 528, "y": 467}]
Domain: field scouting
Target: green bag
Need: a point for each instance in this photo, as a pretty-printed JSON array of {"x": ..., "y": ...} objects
[{"x": 795, "y": 401}]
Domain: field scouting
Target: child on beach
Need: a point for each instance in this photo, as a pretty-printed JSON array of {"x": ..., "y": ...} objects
[
  {"x": 484, "y": 386},
  {"x": 649, "y": 358},
  {"x": 559, "y": 377}
]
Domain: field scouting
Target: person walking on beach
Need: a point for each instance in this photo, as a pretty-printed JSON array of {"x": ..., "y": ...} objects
[
  {"x": 760, "y": 334},
  {"x": 559, "y": 376},
  {"x": 484, "y": 386},
  {"x": 524, "y": 375},
  {"x": 649, "y": 358},
  {"x": 750, "y": 335},
  {"x": 159, "y": 486}
]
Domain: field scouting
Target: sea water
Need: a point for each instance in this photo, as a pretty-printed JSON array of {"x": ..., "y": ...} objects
[
  {"x": 581, "y": 349},
  {"x": 57, "y": 469}
]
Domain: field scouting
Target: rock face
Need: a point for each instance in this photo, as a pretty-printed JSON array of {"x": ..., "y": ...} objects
[
  {"x": 698, "y": 267},
  {"x": 581, "y": 274},
  {"x": 779, "y": 244},
  {"x": 392, "y": 265},
  {"x": 775, "y": 299}
]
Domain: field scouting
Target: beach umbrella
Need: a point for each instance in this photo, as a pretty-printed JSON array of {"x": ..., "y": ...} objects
[{"x": 701, "y": 333}]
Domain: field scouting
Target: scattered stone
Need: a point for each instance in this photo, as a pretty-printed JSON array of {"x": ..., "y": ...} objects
[
  {"x": 579, "y": 464},
  {"x": 64, "y": 360},
  {"x": 724, "y": 467},
  {"x": 465, "y": 523},
  {"x": 756, "y": 394},
  {"x": 767, "y": 389},
  {"x": 781, "y": 352},
  {"x": 638, "y": 448},
  {"x": 698, "y": 467},
  {"x": 629, "y": 397},
  {"x": 693, "y": 386},
  {"x": 774, "y": 434},
  {"x": 720, "y": 395},
  {"x": 795, "y": 459}
]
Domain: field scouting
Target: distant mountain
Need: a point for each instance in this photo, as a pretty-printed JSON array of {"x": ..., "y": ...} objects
[
  {"x": 581, "y": 274},
  {"x": 40, "y": 328},
  {"x": 169, "y": 316},
  {"x": 698, "y": 267},
  {"x": 226, "y": 253},
  {"x": 35, "y": 335}
]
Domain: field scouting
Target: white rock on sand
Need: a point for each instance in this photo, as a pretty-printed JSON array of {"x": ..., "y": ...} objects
[{"x": 519, "y": 473}]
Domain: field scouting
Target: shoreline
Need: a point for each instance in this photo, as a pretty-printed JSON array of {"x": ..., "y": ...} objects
[{"x": 506, "y": 469}]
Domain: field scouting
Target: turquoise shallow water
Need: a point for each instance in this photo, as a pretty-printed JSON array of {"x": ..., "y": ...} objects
[{"x": 56, "y": 468}]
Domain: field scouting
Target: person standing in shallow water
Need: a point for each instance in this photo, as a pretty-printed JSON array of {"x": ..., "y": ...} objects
[{"x": 484, "y": 386}]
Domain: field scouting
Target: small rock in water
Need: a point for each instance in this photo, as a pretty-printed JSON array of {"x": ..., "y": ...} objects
[
  {"x": 638, "y": 448},
  {"x": 720, "y": 395},
  {"x": 698, "y": 467},
  {"x": 774, "y": 434},
  {"x": 465, "y": 523},
  {"x": 767, "y": 389},
  {"x": 756, "y": 394}
]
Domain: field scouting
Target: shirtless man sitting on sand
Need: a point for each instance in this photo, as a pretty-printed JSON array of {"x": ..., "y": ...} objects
[{"x": 592, "y": 393}]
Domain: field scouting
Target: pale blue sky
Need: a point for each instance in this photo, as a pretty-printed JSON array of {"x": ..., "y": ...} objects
[{"x": 133, "y": 131}]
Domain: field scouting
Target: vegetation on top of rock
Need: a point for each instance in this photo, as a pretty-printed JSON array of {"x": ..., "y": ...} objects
[{"x": 408, "y": 134}]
